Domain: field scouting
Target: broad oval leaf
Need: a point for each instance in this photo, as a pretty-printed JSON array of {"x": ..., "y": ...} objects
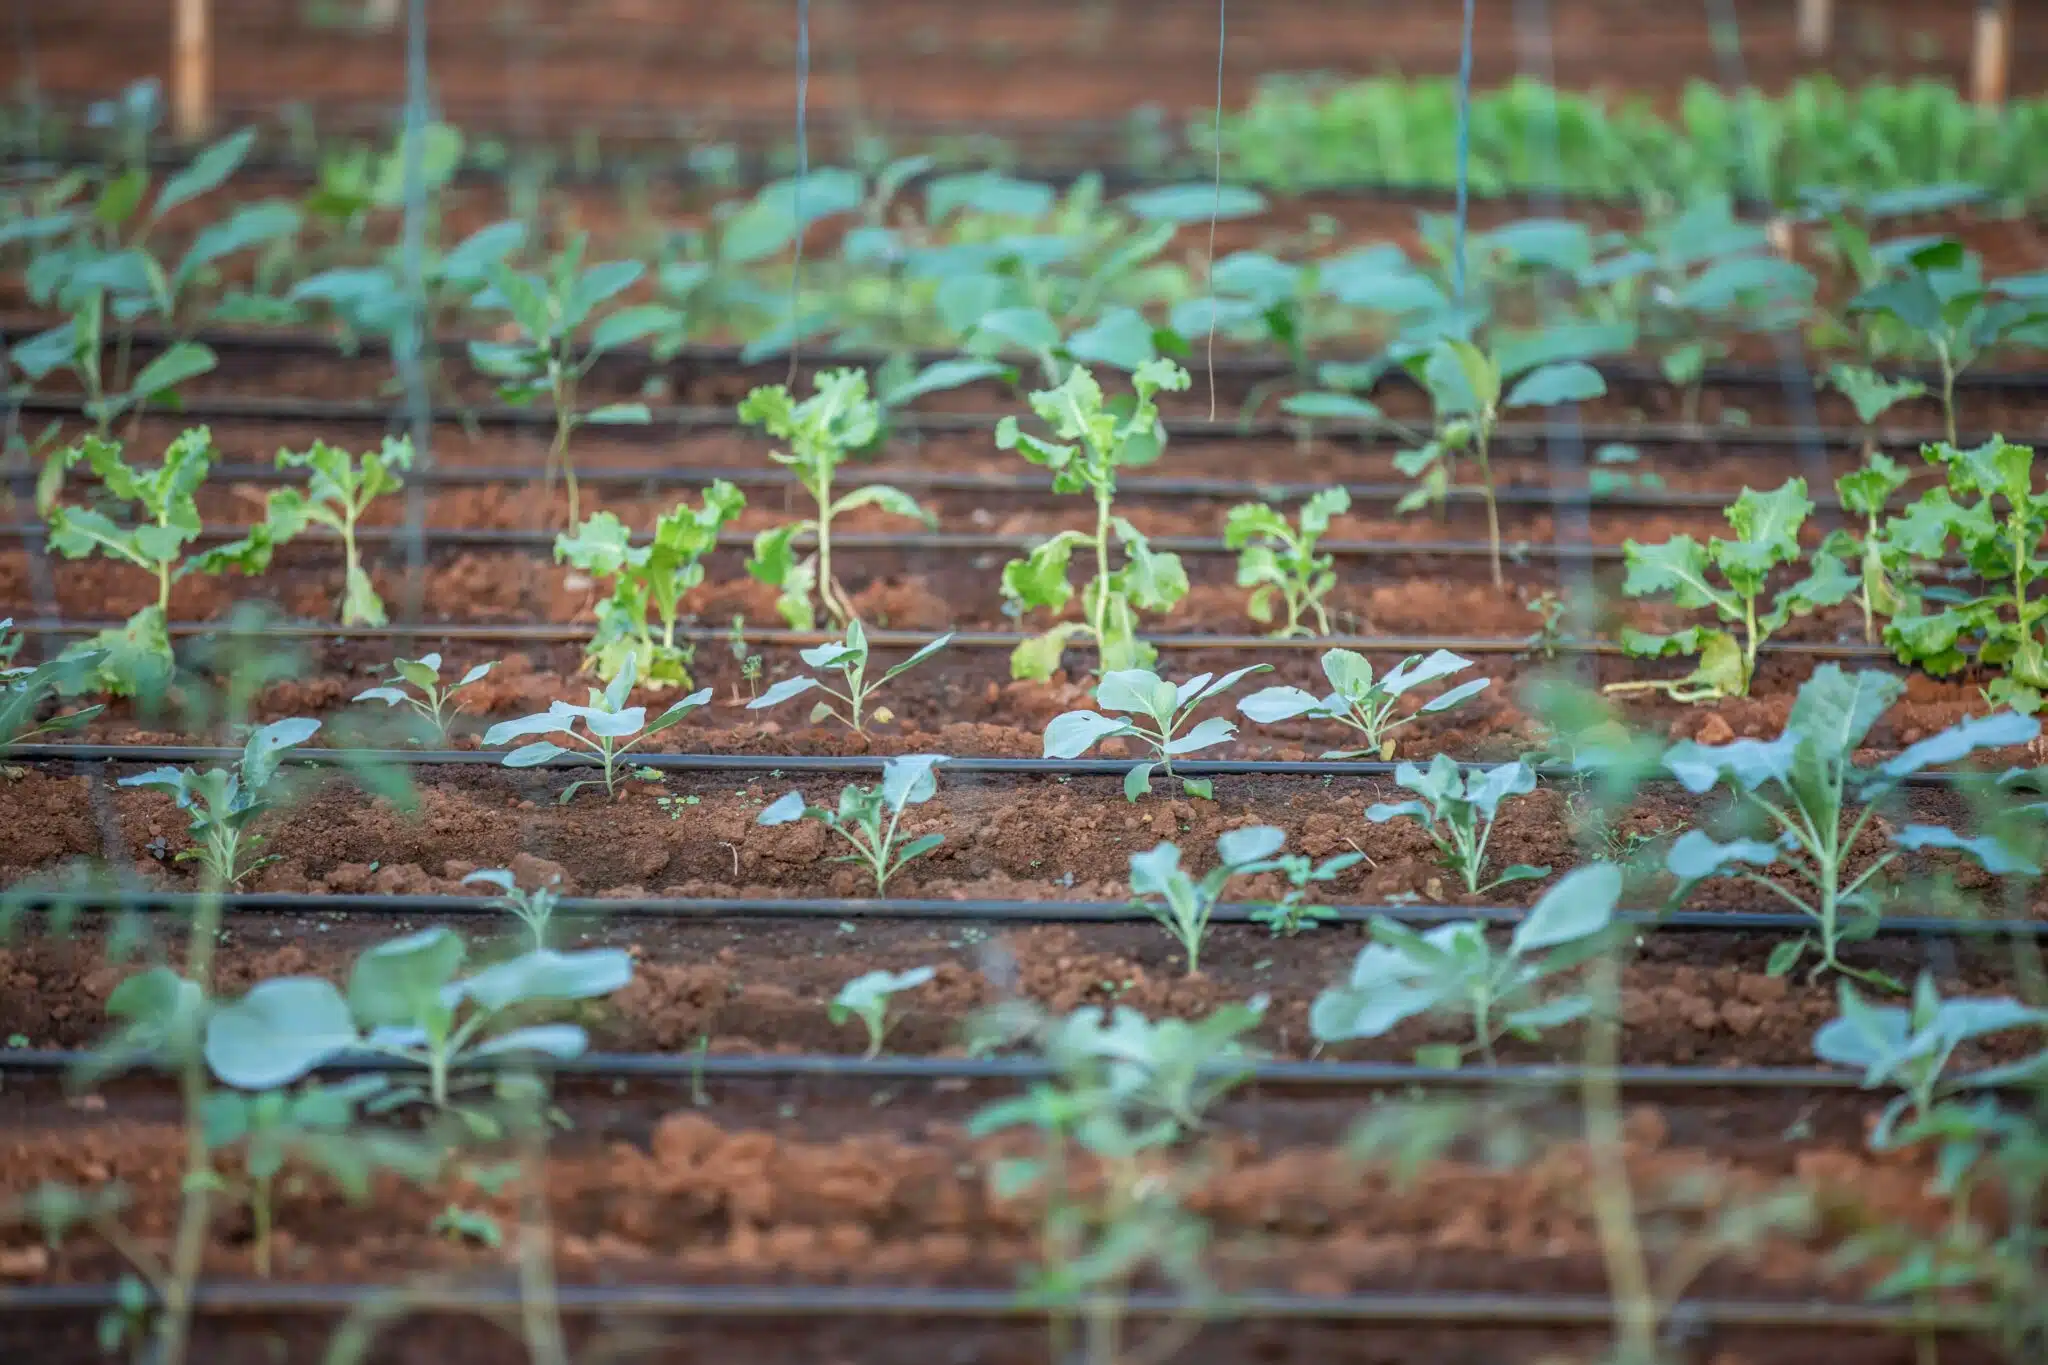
[
  {"x": 279, "y": 1031},
  {"x": 1249, "y": 845},
  {"x": 909, "y": 780},
  {"x": 1075, "y": 732},
  {"x": 394, "y": 982},
  {"x": 1569, "y": 381},
  {"x": 782, "y": 692},
  {"x": 1581, "y": 903},
  {"x": 783, "y": 810},
  {"x": 545, "y": 974},
  {"x": 1194, "y": 203}
]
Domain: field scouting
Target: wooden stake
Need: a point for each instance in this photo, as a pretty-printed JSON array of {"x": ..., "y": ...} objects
[
  {"x": 1991, "y": 60},
  {"x": 192, "y": 85},
  {"x": 1816, "y": 24}
]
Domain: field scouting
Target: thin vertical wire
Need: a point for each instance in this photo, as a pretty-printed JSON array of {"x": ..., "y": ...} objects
[
  {"x": 1464, "y": 156},
  {"x": 803, "y": 166},
  {"x": 412, "y": 356},
  {"x": 1216, "y": 202}
]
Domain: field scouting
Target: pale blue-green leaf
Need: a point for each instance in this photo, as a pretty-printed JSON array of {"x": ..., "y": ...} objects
[
  {"x": 1695, "y": 855},
  {"x": 1194, "y": 203},
  {"x": 1582, "y": 902},
  {"x": 282, "y": 1029},
  {"x": 1209, "y": 733},
  {"x": 545, "y": 974},
  {"x": 784, "y": 809},
  {"x": 1075, "y": 732}
]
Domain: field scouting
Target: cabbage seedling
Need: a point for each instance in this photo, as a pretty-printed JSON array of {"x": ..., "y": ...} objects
[
  {"x": 223, "y": 805},
  {"x": 649, "y": 578},
  {"x": 615, "y": 729},
  {"x": 1806, "y": 784},
  {"x": 1767, "y": 535},
  {"x": 1144, "y": 696},
  {"x": 340, "y": 490},
  {"x": 1283, "y": 562},
  {"x": 1453, "y": 970},
  {"x": 850, "y": 657},
  {"x": 867, "y": 998},
  {"x": 1366, "y": 704},
  {"x": 24, "y": 690},
  {"x": 1457, "y": 809},
  {"x": 435, "y": 704},
  {"x": 867, "y": 817},
  {"x": 836, "y": 420},
  {"x": 535, "y": 908},
  {"x": 1183, "y": 904},
  {"x": 1093, "y": 439}
]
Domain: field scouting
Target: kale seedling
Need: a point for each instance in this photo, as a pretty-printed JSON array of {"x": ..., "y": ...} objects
[
  {"x": 836, "y": 420},
  {"x": 136, "y": 657},
  {"x": 24, "y": 690},
  {"x": 554, "y": 351},
  {"x": 1805, "y": 783},
  {"x": 1457, "y": 809},
  {"x": 1145, "y": 696},
  {"x": 867, "y": 998},
  {"x": 850, "y": 657},
  {"x": 434, "y": 704},
  {"x": 1283, "y": 563},
  {"x": 1454, "y": 970},
  {"x": 1872, "y": 395},
  {"x": 867, "y": 817},
  {"x": 1366, "y": 704},
  {"x": 1990, "y": 508},
  {"x": 1183, "y": 904},
  {"x": 1093, "y": 438},
  {"x": 648, "y": 578},
  {"x": 1767, "y": 530},
  {"x": 340, "y": 491},
  {"x": 615, "y": 729},
  {"x": 225, "y": 804},
  {"x": 535, "y": 908},
  {"x": 1882, "y": 564}
]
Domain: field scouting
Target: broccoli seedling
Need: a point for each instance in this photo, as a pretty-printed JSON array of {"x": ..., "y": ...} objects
[
  {"x": 615, "y": 729},
  {"x": 867, "y": 998},
  {"x": 1283, "y": 562},
  {"x": 1145, "y": 696},
  {"x": 223, "y": 804},
  {"x": 435, "y": 703},
  {"x": 1458, "y": 811},
  {"x": 1366, "y": 704}
]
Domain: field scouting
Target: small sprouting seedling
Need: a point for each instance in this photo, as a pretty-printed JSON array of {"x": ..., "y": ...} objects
[
  {"x": 615, "y": 729},
  {"x": 435, "y": 704},
  {"x": 458, "y": 1224},
  {"x": 1366, "y": 704},
  {"x": 1466, "y": 386},
  {"x": 1145, "y": 696},
  {"x": 1805, "y": 783},
  {"x": 225, "y": 804},
  {"x": 1458, "y": 809},
  {"x": 1184, "y": 904},
  {"x": 340, "y": 490},
  {"x": 1991, "y": 509},
  {"x": 867, "y": 998},
  {"x": 535, "y": 908},
  {"x": 1767, "y": 530},
  {"x": 1094, "y": 438},
  {"x": 57, "y": 1211},
  {"x": 314, "y": 1126},
  {"x": 1548, "y": 637},
  {"x": 1276, "y": 560},
  {"x": 1883, "y": 565},
  {"x": 1294, "y": 913},
  {"x": 24, "y": 690},
  {"x": 1454, "y": 970},
  {"x": 136, "y": 657},
  {"x": 836, "y": 420},
  {"x": 1608, "y": 477},
  {"x": 408, "y": 999},
  {"x": 748, "y": 659},
  {"x": 867, "y": 817},
  {"x": 553, "y": 351},
  {"x": 1872, "y": 395},
  {"x": 850, "y": 657},
  {"x": 648, "y": 578}
]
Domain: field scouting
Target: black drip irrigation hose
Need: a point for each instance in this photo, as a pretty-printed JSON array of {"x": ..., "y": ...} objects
[
  {"x": 1006, "y": 912},
  {"x": 1439, "y": 1309}
]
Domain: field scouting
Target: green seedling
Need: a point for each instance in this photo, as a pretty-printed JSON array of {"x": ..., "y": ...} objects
[
  {"x": 614, "y": 730},
  {"x": 1989, "y": 508},
  {"x": 315, "y": 1126},
  {"x": 1458, "y": 811},
  {"x": 1368, "y": 705},
  {"x": 1767, "y": 535},
  {"x": 23, "y": 691},
  {"x": 535, "y": 909},
  {"x": 435, "y": 704},
  {"x": 1093, "y": 438},
  {"x": 224, "y": 805},
  {"x": 136, "y": 658},
  {"x": 1279, "y": 561},
  {"x": 1872, "y": 395},
  {"x": 340, "y": 490},
  {"x": 410, "y": 1000},
  {"x": 867, "y": 817},
  {"x": 1468, "y": 388},
  {"x": 1883, "y": 565},
  {"x": 56, "y": 1211},
  {"x": 467, "y": 1227},
  {"x": 1454, "y": 970},
  {"x": 1293, "y": 913},
  {"x": 849, "y": 656},
  {"x": 648, "y": 578},
  {"x": 1807, "y": 785},
  {"x": 562, "y": 333},
  {"x": 746, "y": 657},
  {"x": 823, "y": 430},
  {"x": 1143, "y": 697},
  {"x": 1184, "y": 904},
  {"x": 867, "y": 999}
]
